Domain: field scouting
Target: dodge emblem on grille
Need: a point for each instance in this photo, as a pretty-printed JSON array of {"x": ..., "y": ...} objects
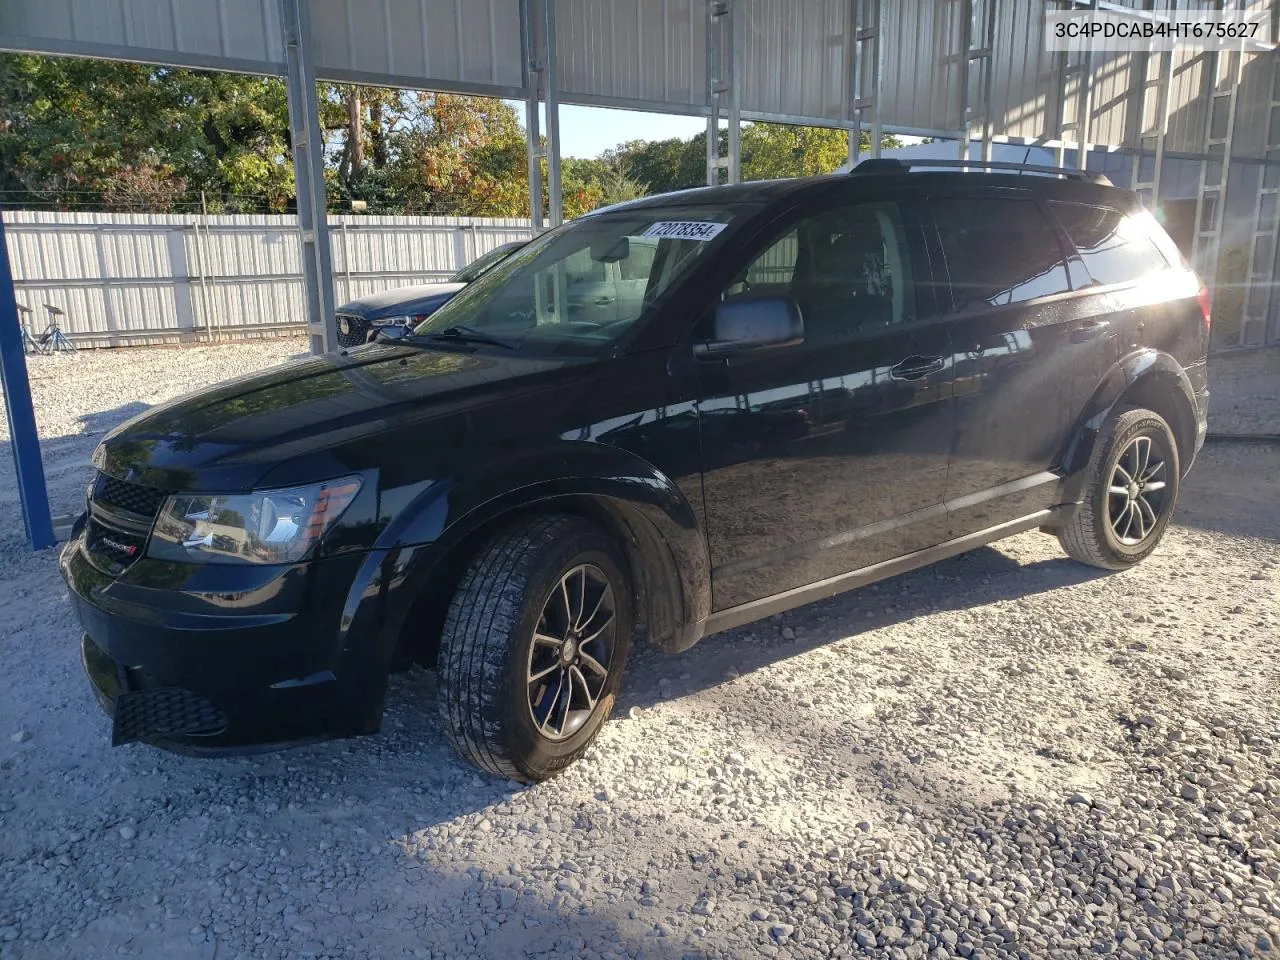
[{"x": 127, "y": 549}]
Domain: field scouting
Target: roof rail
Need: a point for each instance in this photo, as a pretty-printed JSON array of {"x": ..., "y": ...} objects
[{"x": 892, "y": 165}]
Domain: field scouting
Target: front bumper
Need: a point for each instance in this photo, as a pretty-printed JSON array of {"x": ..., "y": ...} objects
[{"x": 252, "y": 664}]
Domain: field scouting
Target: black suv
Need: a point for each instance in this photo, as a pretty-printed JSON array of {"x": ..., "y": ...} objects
[{"x": 668, "y": 418}]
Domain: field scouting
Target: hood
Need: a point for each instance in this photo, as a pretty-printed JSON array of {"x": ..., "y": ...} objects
[
  {"x": 419, "y": 299},
  {"x": 302, "y": 421}
]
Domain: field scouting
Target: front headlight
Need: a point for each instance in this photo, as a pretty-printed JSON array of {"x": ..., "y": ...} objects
[{"x": 266, "y": 526}]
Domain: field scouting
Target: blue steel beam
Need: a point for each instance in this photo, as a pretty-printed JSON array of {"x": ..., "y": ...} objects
[{"x": 32, "y": 492}]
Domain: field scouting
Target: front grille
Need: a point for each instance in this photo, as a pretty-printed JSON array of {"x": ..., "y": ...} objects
[
  {"x": 114, "y": 549},
  {"x": 357, "y": 330},
  {"x": 133, "y": 497},
  {"x": 163, "y": 712}
]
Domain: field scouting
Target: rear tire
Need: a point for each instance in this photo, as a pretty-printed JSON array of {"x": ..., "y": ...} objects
[
  {"x": 533, "y": 647},
  {"x": 1131, "y": 489}
]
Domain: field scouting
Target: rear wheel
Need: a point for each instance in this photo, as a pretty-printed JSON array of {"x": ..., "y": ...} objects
[
  {"x": 533, "y": 647},
  {"x": 1130, "y": 493}
]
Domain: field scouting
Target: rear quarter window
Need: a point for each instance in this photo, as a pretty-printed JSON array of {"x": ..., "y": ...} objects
[
  {"x": 1114, "y": 247},
  {"x": 998, "y": 251}
]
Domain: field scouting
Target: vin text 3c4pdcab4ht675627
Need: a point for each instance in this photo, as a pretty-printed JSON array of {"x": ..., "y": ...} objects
[{"x": 667, "y": 418}]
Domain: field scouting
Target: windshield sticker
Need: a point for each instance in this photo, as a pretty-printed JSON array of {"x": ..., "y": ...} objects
[{"x": 684, "y": 229}]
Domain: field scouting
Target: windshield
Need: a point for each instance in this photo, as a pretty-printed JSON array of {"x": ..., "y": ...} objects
[
  {"x": 478, "y": 267},
  {"x": 579, "y": 288}
]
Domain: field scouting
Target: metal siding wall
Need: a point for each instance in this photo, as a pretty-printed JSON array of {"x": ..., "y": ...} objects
[
  {"x": 470, "y": 42},
  {"x": 650, "y": 51},
  {"x": 1026, "y": 95},
  {"x": 921, "y": 83},
  {"x": 795, "y": 65},
  {"x": 1111, "y": 101},
  {"x": 117, "y": 275},
  {"x": 185, "y": 31},
  {"x": 1250, "y": 138}
]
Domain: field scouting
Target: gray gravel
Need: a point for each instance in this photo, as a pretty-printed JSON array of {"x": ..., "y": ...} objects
[
  {"x": 1006, "y": 755},
  {"x": 1246, "y": 392}
]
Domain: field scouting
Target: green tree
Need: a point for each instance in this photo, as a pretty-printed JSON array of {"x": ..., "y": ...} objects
[
  {"x": 87, "y": 133},
  {"x": 464, "y": 156},
  {"x": 661, "y": 166},
  {"x": 769, "y": 151},
  {"x": 359, "y": 123},
  {"x": 589, "y": 184}
]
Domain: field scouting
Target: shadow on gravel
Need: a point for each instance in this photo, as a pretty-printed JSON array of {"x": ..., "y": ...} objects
[
  {"x": 980, "y": 577},
  {"x": 1231, "y": 489},
  {"x": 389, "y": 822}
]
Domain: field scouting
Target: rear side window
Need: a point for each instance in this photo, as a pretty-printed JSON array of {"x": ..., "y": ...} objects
[
  {"x": 1115, "y": 248},
  {"x": 998, "y": 251}
]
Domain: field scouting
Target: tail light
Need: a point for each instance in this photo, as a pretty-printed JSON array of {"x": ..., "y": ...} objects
[{"x": 1203, "y": 299}]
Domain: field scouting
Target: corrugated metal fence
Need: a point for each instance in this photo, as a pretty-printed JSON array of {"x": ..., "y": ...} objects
[{"x": 128, "y": 278}]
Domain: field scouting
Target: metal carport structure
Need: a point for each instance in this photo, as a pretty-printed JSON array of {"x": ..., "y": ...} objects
[{"x": 955, "y": 69}]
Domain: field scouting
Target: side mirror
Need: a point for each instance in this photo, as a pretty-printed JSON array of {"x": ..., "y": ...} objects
[{"x": 746, "y": 325}]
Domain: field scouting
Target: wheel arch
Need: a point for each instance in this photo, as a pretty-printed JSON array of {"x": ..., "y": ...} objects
[
  {"x": 1145, "y": 378},
  {"x": 433, "y": 540}
]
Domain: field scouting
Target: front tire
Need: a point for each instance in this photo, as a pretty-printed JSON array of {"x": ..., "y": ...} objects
[
  {"x": 1130, "y": 492},
  {"x": 533, "y": 647}
]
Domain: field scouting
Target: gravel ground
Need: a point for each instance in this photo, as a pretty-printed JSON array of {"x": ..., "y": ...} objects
[
  {"x": 1003, "y": 755},
  {"x": 1246, "y": 392}
]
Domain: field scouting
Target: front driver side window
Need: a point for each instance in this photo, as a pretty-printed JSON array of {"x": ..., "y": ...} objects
[{"x": 849, "y": 270}]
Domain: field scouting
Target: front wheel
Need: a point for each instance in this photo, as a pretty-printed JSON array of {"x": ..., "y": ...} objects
[
  {"x": 533, "y": 647},
  {"x": 1130, "y": 492}
]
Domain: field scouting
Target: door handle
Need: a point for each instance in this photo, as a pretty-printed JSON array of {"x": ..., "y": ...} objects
[
  {"x": 1088, "y": 330},
  {"x": 604, "y": 301},
  {"x": 913, "y": 368}
]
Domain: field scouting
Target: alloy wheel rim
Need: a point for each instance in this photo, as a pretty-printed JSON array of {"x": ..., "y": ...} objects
[
  {"x": 571, "y": 653},
  {"x": 1136, "y": 494}
]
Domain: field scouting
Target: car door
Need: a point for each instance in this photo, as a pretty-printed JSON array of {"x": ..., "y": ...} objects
[
  {"x": 591, "y": 289},
  {"x": 633, "y": 275},
  {"x": 1028, "y": 351},
  {"x": 829, "y": 455}
]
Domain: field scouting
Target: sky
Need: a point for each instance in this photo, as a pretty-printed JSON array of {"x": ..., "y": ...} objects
[{"x": 588, "y": 131}]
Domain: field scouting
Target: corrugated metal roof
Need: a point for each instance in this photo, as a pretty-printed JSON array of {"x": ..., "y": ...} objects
[
  {"x": 471, "y": 42},
  {"x": 651, "y": 54}
]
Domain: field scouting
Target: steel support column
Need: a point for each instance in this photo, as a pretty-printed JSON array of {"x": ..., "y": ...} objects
[
  {"x": 1149, "y": 189},
  {"x": 25, "y": 438},
  {"x": 987, "y": 57},
  {"x": 308, "y": 170},
  {"x": 723, "y": 90},
  {"x": 865, "y": 69},
  {"x": 1215, "y": 169},
  {"x": 1084, "y": 106},
  {"x": 975, "y": 13},
  {"x": 552, "y": 94},
  {"x": 533, "y": 69},
  {"x": 1261, "y": 304}
]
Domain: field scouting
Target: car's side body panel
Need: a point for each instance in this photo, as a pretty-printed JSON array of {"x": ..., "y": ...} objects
[{"x": 1021, "y": 367}]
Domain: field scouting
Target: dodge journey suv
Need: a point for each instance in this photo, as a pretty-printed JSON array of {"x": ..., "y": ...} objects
[{"x": 815, "y": 384}]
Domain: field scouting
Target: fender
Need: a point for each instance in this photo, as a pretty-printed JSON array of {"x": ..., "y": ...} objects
[
  {"x": 1139, "y": 366},
  {"x": 664, "y": 545}
]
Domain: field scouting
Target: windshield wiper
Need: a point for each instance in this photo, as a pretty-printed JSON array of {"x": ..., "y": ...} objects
[{"x": 465, "y": 334}]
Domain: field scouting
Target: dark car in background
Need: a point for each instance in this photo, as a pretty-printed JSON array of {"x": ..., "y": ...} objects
[
  {"x": 662, "y": 420},
  {"x": 392, "y": 312}
]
